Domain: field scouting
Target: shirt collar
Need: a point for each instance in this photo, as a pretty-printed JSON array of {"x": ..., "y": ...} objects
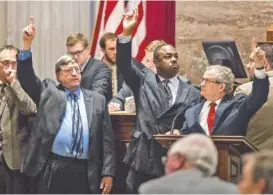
[
  {"x": 174, "y": 80},
  {"x": 217, "y": 102},
  {"x": 77, "y": 92},
  {"x": 84, "y": 64}
]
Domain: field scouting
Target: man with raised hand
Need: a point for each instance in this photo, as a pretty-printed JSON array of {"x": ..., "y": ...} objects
[
  {"x": 260, "y": 127},
  {"x": 71, "y": 146},
  {"x": 158, "y": 98}
]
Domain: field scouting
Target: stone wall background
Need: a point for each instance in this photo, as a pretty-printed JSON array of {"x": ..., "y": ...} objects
[{"x": 217, "y": 20}]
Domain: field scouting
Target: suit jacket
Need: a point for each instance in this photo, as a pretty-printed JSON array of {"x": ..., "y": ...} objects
[
  {"x": 187, "y": 181},
  {"x": 14, "y": 108},
  {"x": 260, "y": 127},
  {"x": 153, "y": 114},
  {"x": 233, "y": 113},
  {"x": 52, "y": 104},
  {"x": 96, "y": 76}
]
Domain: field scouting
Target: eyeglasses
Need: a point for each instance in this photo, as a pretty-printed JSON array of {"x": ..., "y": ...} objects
[
  {"x": 7, "y": 63},
  {"x": 70, "y": 70},
  {"x": 209, "y": 81},
  {"x": 77, "y": 53}
]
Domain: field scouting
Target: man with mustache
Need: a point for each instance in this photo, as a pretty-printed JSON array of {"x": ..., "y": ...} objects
[{"x": 71, "y": 147}]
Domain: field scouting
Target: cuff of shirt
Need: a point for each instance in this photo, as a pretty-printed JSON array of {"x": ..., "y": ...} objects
[
  {"x": 260, "y": 74},
  {"x": 124, "y": 39},
  {"x": 24, "y": 54}
]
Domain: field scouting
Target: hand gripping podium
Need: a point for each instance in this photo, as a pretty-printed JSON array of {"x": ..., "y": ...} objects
[{"x": 230, "y": 149}]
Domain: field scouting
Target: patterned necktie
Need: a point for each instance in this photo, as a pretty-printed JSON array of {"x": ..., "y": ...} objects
[
  {"x": 77, "y": 127},
  {"x": 211, "y": 116},
  {"x": 168, "y": 91},
  {"x": 114, "y": 80}
]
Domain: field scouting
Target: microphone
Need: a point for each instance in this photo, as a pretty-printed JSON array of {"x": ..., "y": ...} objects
[{"x": 179, "y": 112}]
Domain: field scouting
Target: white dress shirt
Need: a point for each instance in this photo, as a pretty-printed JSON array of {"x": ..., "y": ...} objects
[
  {"x": 173, "y": 84},
  {"x": 204, "y": 114},
  {"x": 260, "y": 74}
]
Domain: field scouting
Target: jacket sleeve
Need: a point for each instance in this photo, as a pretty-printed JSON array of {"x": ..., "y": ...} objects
[
  {"x": 109, "y": 153},
  {"x": 258, "y": 96},
  {"x": 101, "y": 81},
  {"x": 132, "y": 74},
  {"x": 23, "y": 102},
  {"x": 28, "y": 80},
  {"x": 121, "y": 96}
]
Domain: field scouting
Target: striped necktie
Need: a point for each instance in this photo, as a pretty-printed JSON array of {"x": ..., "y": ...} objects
[{"x": 77, "y": 127}]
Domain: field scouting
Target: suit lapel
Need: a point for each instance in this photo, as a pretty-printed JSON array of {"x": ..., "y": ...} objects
[
  {"x": 89, "y": 106},
  {"x": 181, "y": 95},
  {"x": 3, "y": 104},
  {"x": 197, "y": 112}
]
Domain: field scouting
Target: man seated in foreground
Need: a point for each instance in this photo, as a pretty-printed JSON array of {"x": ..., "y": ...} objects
[
  {"x": 257, "y": 177},
  {"x": 189, "y": 167}
]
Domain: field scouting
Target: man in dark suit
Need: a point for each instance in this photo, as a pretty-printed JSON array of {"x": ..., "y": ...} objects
[
  {"x": 108, "y": 48},
  {"x": 72, "y": 143},
  {"x": 221, "y": 113},
  {"x": 189, "y": 168},
  {"x": 158, "y": 98},
  {"x": 96, "y": 75}
]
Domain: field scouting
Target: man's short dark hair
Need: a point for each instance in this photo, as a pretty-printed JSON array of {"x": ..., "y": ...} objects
[
  {"x": 105, "y": 37},
  {"x": 156, "y": 51}
]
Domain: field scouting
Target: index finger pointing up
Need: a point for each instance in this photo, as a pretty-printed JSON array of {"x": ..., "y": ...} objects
[
  {"x": 254, "y": 44},
  {"x": 31, "y": 20}
]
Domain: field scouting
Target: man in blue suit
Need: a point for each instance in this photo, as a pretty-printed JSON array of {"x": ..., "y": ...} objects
[{"x": 221, "y": 113}]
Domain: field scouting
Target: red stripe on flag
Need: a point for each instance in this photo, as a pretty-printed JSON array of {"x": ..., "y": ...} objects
[
  {"x": 110, "y": 6},
  {"x": 96, "y": 30}
]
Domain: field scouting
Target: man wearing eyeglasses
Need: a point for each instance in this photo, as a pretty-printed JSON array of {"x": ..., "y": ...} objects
[
  {"x": 96, "y": 75},
  {"x": 15, "y": 106},
  {"x": 221, "y": 113},
  {"x": 72, "y": 144}
]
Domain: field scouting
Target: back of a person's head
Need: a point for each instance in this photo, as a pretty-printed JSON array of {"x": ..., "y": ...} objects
[
  {"x": 199, "y": 151},
  {"x": 261, "y": 168},
  {"x": 153, "y": 45}
]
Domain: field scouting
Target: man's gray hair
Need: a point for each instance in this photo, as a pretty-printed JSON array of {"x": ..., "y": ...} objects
[
  {"x": 223, "y": 75},
  {"x": 63, "y": 61},
  {"x": 199, "y": 151},
  {"x": 261, "y": 168}
]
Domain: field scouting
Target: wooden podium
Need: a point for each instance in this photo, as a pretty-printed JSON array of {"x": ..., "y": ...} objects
[{"x": 230, "y": 150}]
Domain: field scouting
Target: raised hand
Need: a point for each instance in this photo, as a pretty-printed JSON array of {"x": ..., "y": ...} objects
[
  {"x": 29, "y": 33},
  {"x": 129, "y": 22},
  {"x": 259, "y": 58},
  {"x": 10, "y": 75}
]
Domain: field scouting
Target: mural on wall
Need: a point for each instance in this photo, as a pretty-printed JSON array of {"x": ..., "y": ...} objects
[{"x": 197, "y": 21}]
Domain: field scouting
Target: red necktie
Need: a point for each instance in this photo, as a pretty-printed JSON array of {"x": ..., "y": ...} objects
[{"x": 211, "y": 116}]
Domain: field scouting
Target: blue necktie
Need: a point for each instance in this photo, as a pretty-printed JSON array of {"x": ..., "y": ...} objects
[{"x": 77, "y": 127}]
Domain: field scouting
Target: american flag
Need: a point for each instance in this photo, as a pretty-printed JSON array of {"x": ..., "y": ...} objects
[{"x": 110, "y": 15}]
